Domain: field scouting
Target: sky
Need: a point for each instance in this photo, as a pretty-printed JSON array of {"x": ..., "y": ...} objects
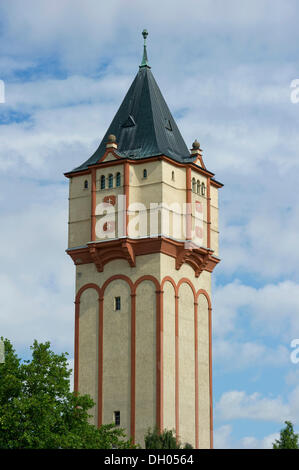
[{"x": 225, "y": 70}]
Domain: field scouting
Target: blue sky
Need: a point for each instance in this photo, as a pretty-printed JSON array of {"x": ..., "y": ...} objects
[{"x": 225, "y": 70}]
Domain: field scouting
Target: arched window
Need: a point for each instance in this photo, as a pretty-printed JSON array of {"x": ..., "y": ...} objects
[
  {"x": 144, "y": 173},
  {"x": 117, "y": 179},
  {"x": 203, "y": 189},
  {"x": 172, "y": 176},
  {"x": 194, "y": 185},
  {"x": 103, "y": 182},
  {"x": 198, "y": 187},
  {"x": 110, "y": 181},
  {"x": 85, "y": 184}
]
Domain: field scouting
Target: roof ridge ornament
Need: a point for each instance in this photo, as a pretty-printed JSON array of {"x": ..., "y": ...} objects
[{"x": 144, "y": 62}]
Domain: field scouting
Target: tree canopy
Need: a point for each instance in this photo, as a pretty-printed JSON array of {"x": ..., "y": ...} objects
[
  {"x": 288, "y": 439},
  {"x": 164, "y": 440},
  {"x": 38, "y": 410}
]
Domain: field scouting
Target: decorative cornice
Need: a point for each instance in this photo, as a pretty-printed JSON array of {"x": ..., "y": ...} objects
[
  {"x": 118, "y": 159},
  {"x": 197, "y": 259},
  {"x": 101, "y": 253}
]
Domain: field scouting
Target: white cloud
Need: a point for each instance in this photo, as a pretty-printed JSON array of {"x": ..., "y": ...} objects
[
  {"x": 292, "y": 377},
  {"x": 81, "y": 37},
  {"x": 236, "y": 404},
  {"x": 73, "y": 90},
  {"x": 251, "y": 442},
  {"x": 37, "y": 278},
  {"x": 223, "y": 439},
  {"x": 227, "y": 81},
  {"x": 267, "y": 232},
  {"x": 237, "y": 355},
  {"x": 271, "y": 309}
]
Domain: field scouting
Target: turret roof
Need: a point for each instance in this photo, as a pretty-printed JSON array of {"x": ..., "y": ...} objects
[{"x": 143, "y": 125}]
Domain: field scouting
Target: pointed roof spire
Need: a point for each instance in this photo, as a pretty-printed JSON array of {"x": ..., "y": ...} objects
[
  {"x": 143, "y": 125},
  {"x": 144, "y": 62}
]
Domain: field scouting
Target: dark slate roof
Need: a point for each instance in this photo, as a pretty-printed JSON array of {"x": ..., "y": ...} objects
[{"x": 143, "y": 125}]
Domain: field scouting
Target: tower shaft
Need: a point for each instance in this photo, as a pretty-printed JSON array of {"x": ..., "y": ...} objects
[{"x": 143, "y": 234}]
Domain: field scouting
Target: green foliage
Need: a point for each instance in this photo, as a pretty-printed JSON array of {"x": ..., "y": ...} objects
[
  {"x": 288, "y": 439},
  {"x": 38, "y": 410},
  {"x": 164, "y": 440},
  {"x": 188, "y": 446}
]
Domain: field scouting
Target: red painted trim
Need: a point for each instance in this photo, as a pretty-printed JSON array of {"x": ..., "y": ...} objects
[
  {"x": 128, "y": 248},
  {"x": 196, "y": 365},
  {"x": 159, "y": 346},
  {"x": 211, "y": 376},
  {"x": 208, "y": 212},
  {"x": 161, "y": 298},
  {"x": 203, "y": 292},
  {"x": 100, "y": 361},
  {"x": 76, "y": 347},
  {"x": 87, "y": 286},
  {"x": 188, "y": 201},
  {"x": 70, "y": 174},
  {"x": 159, "y": 360},
  {"x": 103, "y": 164},
  {"x": 177, "y": 384},
  {"x": 176, "y": 352},
  {"x": 116, "y": 277},
  {"x": 196, "y": 371},
  {"x": 93, "y": 205},
  {"x": 133, "y": 351},
  {"x": 127, "y": 194},
  {"x": 77, "y": 321},
  {"x": 133, "y": 365},
  {"x": 185, "y": 280},
  {"x": 169, "y": 279},
  {"x": 118, "y": 160},
  {"x": 108, "y": 150},
  {"x": 216, "y": 184},
  {"x": 147, "y": 277}
]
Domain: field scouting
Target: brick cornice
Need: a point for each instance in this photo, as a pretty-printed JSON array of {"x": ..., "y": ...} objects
[{"x": 101, "y": 253}]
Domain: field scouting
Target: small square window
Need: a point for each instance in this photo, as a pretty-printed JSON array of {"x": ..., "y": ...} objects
[
  {"x": 117, "y": 418},
  {"x": 117, "y": 303}
]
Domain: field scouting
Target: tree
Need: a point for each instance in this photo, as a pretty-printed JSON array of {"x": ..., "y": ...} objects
[
  {"x": 164, "y": 440},
  {"x": 38, "y": 410},
  {"x": 288, "y": 439}
]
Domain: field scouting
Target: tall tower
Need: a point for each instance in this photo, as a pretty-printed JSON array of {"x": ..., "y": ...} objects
[{"x": 143, "y": 234}]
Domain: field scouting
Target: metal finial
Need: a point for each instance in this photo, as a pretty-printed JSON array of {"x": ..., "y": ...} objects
[
  {"x": 144, "y": 34},
  {"x": 144, "y": 62}
]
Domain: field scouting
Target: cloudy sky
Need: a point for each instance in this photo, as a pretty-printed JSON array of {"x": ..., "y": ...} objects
[{"x": 225, "y": 70}]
